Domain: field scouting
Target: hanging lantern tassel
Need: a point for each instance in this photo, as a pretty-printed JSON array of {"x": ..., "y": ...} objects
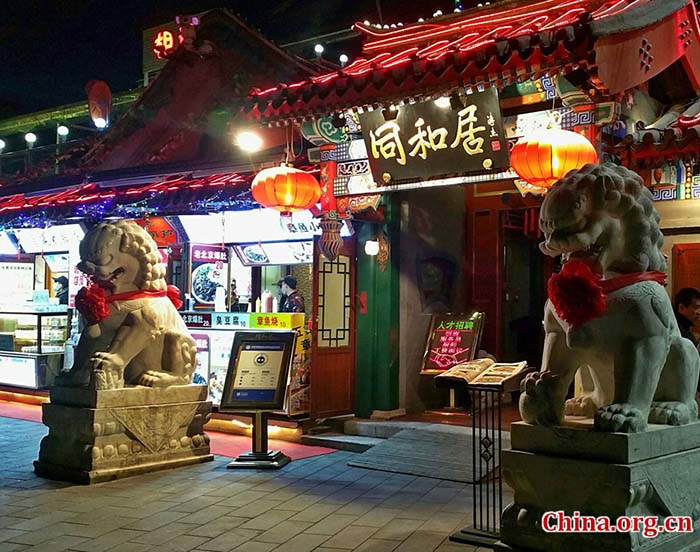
[
  {"x": 545, "y": 157},
  {"x": 330, "y": 242}
]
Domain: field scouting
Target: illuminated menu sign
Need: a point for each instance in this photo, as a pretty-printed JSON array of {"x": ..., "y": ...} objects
[
  {"x": 258, "y": 371},
  {"x": 429, "y": 139},
  {"x": 452, "y": 340}
]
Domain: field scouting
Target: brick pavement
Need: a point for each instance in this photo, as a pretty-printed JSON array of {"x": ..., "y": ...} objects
[{"x": 316, "y": 504}]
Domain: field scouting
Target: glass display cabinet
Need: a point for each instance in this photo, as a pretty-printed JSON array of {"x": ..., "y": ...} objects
[{"x": 32, "y": 345}]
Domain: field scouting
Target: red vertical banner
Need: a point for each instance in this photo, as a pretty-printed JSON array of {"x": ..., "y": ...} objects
[{"x": 328, "y": 173}]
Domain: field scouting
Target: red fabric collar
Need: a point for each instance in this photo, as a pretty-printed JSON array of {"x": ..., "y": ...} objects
[
  {"x": 619, "y": 282},
  {"x": 92, "y": 301},
  {"x": 172, "y": 293},
  {"x": 579, "y": 295}
]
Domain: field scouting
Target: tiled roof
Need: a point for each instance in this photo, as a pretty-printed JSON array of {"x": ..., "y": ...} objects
[
  {"x": 675, "y": 135},
  {"x": 497, "y": 44}
]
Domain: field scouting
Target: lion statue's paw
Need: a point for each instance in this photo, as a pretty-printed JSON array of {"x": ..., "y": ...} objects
[
  {"x": 156, "y": 378},
  {"x": 540, "y": 402},
  {"x": 621, "y": 417},
  {"x": 581, "y": 406},
  {"x": 673, "y": 413}
]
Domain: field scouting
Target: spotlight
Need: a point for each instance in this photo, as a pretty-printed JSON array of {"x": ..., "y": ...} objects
[
  {"x": 456, "y": 101},
  {"x": 30, "y": 138},
  {"x": 62, "y": 130},
  {"x": 318, "y": 49},
  {"x": 443, "y": 102},
  {"x": 2, "y": 145},
  {"x": 372, "y": 247},
  {"x": 249, "y": 141},
  {"x": 343, "y": 59},
  {"x": 100, "y": 122}
]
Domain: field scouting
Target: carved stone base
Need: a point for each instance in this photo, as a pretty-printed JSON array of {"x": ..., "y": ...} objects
[
  {"x": 654, "y": 473},
  {"x": 97, "y": 436}
]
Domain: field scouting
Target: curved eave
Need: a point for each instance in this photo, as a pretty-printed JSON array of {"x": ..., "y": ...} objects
[{"x": 507, "y": 62}]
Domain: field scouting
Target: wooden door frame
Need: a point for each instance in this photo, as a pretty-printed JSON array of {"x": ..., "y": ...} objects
[{"x": 349, "y": 249}]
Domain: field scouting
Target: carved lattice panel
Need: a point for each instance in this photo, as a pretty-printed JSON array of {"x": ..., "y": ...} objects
[{"x": 334, "y": 302}]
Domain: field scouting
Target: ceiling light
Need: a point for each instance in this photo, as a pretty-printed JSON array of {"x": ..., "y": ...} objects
[
  {"x": 344, "y": 59},
  {"x": 30, "y": 137},
  {"x": 249, "y": 141},
  {"x": 2, "y": 145},
  {"x": 100, "y": 122},
  {"x": 443, "y": 102},
  {"x": 318, "y": 49},
  {"x": 62, "y": 130}
]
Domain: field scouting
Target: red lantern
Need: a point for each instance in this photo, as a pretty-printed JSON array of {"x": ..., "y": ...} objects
[
  {"x": 546, "y": 157},
  {"x": 285, "y": 189}
]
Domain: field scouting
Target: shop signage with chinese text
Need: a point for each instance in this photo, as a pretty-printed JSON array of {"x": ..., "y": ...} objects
[
  {"x": 426, "y": 140},
  {"x": 452, "y": 340}
]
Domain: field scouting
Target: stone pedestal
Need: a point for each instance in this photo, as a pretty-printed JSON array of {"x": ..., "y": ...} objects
[
  {"x": 97, "y": 436},
  {"x": 571, "y": 468}
]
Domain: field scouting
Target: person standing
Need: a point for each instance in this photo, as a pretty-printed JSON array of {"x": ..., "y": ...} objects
[
  {"x": 291, "y": 300},
  {"x": 686, "y": 305}
]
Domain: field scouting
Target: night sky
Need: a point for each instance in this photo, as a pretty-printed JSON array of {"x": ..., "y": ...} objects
[{"x": 50, "y": 49}]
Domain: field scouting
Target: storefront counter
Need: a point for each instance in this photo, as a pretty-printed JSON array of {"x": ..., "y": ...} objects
[
  {"x": 31, "y": 347},
  {"x": 214, "y": 333}
]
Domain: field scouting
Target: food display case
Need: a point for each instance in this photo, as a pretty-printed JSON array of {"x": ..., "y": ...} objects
[
  {"x": 214, "y": 333},
  {"x": 31, "y": 347}
]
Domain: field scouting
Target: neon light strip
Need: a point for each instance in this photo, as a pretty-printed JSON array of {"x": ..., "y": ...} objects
[{"x": 477, "y": 23}]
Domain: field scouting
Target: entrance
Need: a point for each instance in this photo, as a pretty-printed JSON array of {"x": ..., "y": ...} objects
[
  {"x": 333, "y": 359},
  {"x": 524, "y": 287}
]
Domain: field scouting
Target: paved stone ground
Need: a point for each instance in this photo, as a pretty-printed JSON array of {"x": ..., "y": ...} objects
[{"x": 316, "y": 504}]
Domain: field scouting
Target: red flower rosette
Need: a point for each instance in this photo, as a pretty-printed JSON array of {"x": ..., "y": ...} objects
[
  {"x": 91, "y": 304},
  {"x": 576, "y": 293}
]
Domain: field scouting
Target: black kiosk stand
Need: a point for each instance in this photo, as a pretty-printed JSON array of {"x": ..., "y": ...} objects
[{"x": 256, "y": 382}]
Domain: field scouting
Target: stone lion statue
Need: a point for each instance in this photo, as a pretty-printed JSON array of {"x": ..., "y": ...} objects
[
  {"x": 134, "y": 333},
  {"x": 613, "y": 320}
]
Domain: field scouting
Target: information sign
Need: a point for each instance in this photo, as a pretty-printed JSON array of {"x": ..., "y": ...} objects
[
  {"x": 453, "y": 339},
  {"x": 258, "y": 371}
]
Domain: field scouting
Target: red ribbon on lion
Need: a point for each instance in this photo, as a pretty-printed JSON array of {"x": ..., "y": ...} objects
[
  {"x": 93, "y": 302},
  {"x": 578, "y": 294}
]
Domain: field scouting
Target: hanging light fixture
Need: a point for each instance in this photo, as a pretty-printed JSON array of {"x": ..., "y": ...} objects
[
  {"x": 545, "y": 157},
  {"x": 286, "y": 189}
]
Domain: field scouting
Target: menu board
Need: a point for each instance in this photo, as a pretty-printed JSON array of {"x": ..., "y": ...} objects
[
  {"x": 17, "y": 281},
  {"x": 49, "y": 240},
  {"x": 452, "y": 339},
  {"x": 275, "y": 253},
  {"x": 258, "y": 371},
  {"x": 483, "y": 371},
  {"x": 209, "y": 271}
]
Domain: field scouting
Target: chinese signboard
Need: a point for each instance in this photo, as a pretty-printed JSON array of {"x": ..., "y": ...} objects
[
  {"x": 162, "y": 232},
  {"x": 452, "y": 340},
  {"x": 210, "y": 267},
  {"x": 426, "y": 140}
]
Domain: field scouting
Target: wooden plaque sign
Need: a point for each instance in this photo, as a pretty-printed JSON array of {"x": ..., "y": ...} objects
[{"x": 453, "y": 339}]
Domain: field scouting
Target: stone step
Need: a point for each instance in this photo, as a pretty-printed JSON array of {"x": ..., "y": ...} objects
[
  {"x": 350, "y": 443},
  {"x": 380, "y": 430}
]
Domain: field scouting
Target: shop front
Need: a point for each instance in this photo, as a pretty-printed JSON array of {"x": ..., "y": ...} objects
[{"x": 456, "y": 238}]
